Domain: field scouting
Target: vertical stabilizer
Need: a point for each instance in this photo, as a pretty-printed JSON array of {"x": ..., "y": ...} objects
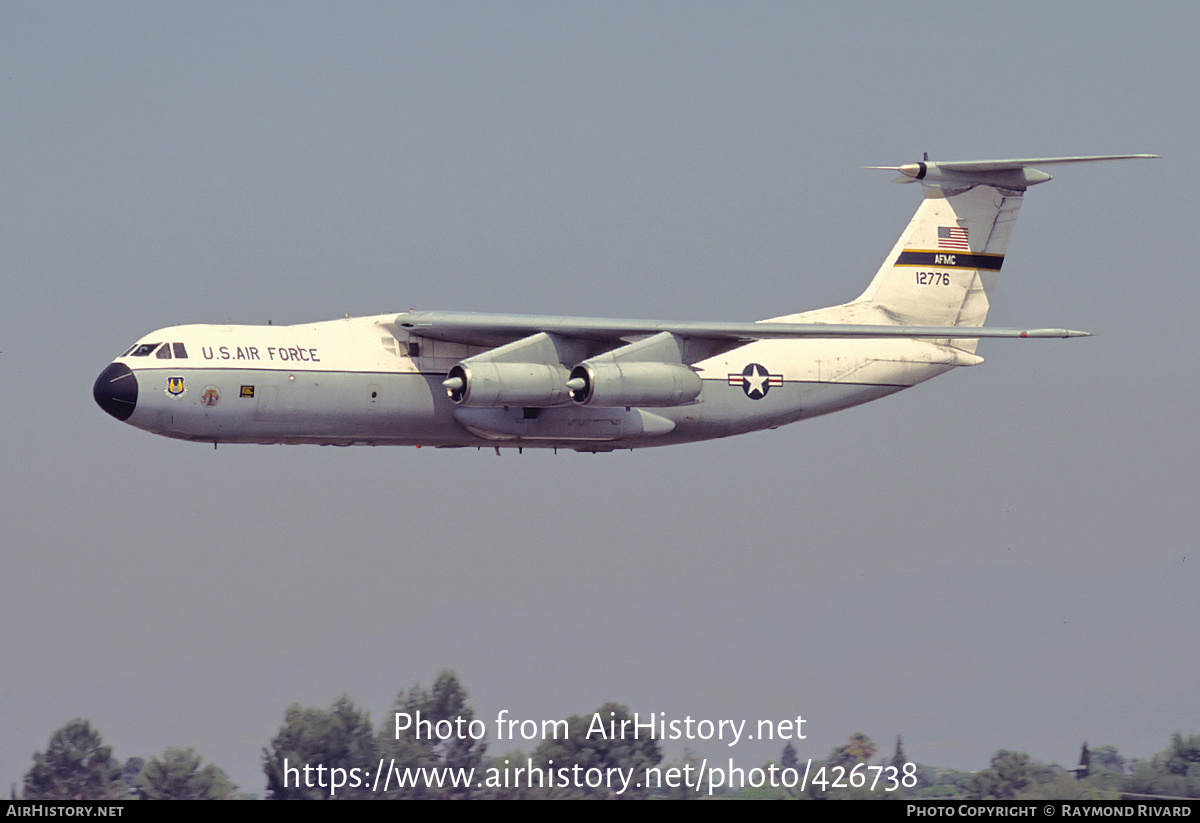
[{"x": 943, "y": 268}]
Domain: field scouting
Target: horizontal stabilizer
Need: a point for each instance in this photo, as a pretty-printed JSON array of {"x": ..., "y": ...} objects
[{"x": 1010, "y": 174}]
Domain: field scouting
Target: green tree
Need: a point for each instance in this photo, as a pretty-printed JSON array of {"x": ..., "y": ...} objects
[
  {"x": 789, "y": 759},
  {"x": 129, "y": 774},
  {"x": 75, "y": 766},
  {"x": 178, "y": 776},
  {"x": 590, "y": 744},
  {"x": 1108, "y": 758},
  {"x": 340, "y": 738},
  {"x": 434, "y": 730},
  {"x": 860, "y": 749},
  {"x": 1173, "y": 771},
  {"x": 1182, "y": 757},
  {"x": 1011, "y": 774}
]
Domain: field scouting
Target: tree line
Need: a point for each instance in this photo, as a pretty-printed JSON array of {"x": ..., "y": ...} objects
[{"x": 78, "y": 765}]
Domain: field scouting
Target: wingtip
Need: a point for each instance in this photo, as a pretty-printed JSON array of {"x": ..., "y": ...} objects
[{"x": 1036, "y": 333}]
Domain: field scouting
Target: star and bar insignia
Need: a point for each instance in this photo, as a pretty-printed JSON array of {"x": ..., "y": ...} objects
[{"x": 755, "y": 381}]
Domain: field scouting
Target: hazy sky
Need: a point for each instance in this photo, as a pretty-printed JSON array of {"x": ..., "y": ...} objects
[{"x": 1004, "y": 557}]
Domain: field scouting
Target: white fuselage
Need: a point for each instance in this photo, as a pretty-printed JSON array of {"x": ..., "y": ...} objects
[
  {"x": 454, "y": 379},
  {"x": 356, "y": 381}
]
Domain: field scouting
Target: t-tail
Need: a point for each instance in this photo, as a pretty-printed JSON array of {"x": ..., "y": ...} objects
[{"x": 943, "y": 269}]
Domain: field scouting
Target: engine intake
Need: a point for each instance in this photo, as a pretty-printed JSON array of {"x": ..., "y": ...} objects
[{"x": 487, "y": 383}]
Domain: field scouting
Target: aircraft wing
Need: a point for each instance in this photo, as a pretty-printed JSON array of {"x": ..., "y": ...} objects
[{"x": 479, "y": 329}]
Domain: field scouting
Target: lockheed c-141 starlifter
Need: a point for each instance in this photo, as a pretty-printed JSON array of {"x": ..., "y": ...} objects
[{"x": 447, "y": 379}]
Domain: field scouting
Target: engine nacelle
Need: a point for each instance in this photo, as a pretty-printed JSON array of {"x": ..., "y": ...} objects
[
  {"x": 633, "y": 383},
  {"x": 486, "y": 383}
]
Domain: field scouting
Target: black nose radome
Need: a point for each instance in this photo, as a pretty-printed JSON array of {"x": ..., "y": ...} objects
[{"x": 116, "y": 391}]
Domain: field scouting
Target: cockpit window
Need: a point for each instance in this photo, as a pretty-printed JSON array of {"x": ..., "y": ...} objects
[
  {"x": 180, "y": 351},
  {"x": 143, "y": 350},
  {"x": 129, "y": 351},
  {"x": 165, "y": 352}
]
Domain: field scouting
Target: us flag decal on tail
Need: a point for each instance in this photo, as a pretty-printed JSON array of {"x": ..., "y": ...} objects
[{"x": 952, "y": 237}]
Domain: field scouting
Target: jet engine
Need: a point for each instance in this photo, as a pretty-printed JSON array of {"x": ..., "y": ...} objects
[
  {"x": 488, "y": 383},
  {"x": 636, "y": 383}
]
